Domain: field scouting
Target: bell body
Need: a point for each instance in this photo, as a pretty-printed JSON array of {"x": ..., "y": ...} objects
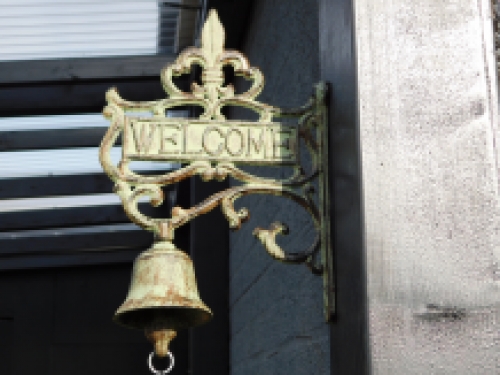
[{"x": 163, "y": 293}]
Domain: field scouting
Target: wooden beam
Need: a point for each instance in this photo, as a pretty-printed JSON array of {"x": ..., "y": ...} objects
[
  {"x": 77, "y": 97},
  {"x": 50, "y": 139},
  {"x": 71, "y": 216},
  {"x": 117, "y": 237},
  {"x": 55, "y": 185},
  {"x": 44, "y": 186},
  {"x": 84, "y": 258},
  {"x": 77, "y": 246},
  {"x": 78, "y": 69},
  {"x": 61, "y": 217}
]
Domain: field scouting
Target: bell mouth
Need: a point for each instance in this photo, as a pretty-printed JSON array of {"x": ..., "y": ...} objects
[{"x": 156, "y": 318}]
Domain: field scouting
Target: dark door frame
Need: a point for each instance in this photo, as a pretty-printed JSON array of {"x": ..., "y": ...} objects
[
  {"x": 349, "y": 348},
  {"x": 338, "y": 66}
]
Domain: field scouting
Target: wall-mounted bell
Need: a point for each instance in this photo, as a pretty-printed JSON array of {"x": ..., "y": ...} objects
[{"x": 163, "y": 296}]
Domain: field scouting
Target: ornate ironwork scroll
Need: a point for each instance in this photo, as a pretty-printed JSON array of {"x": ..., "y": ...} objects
[{"x": 212, "y": 146}]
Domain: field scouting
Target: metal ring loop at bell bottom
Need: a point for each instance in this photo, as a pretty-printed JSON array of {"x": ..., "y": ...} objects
[{"x": 160, "y": 372}]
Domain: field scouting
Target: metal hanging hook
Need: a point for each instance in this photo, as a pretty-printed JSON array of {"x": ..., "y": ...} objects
[{"x": 161, "y": 372}]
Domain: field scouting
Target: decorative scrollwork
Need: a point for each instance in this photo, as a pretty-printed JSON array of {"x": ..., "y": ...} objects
[{"x": 212, "y": 95}]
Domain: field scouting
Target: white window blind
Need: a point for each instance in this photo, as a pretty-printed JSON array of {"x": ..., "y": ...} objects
[
  {"x": 69, "y": 161},
  {"x": 61, "y": 162},
  {"x": 52, "y": 29}
]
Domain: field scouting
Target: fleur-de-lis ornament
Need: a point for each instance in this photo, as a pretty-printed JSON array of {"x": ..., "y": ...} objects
[{"x": 212, "y": 57}]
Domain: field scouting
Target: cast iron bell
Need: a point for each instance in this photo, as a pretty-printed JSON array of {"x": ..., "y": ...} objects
[{"x": 163, "y": 296}]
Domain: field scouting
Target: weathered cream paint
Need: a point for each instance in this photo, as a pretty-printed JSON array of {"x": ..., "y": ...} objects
[
  {"x": 211, "y": 146},
  {"x": 429, "y": 129},
  {"x": 190, "y": 140}
]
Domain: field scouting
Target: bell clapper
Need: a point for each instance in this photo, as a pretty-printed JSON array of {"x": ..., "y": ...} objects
[
  {"x": 161, "y": 340},
  {"x": 160, "y": 372}
]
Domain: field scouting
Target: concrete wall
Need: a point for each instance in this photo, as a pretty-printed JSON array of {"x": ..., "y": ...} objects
[
  {"x": 429, "y": 130},
  {"x": 277, "y": 324}
]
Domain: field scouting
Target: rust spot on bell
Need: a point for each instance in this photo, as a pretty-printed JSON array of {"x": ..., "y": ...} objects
[{"x": 163, "y": 296}]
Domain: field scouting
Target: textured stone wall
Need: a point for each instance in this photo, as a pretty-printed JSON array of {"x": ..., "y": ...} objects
[
  {"x": 429, "y": 137},
  {"x": 277, "y": 324}
]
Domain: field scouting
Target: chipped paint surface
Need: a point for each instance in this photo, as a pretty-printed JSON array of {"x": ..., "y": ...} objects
[
  {"x": 212, "y": 146},
  {"x": 163, "y": 278},
  {"x": 187, "y": 140}
]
